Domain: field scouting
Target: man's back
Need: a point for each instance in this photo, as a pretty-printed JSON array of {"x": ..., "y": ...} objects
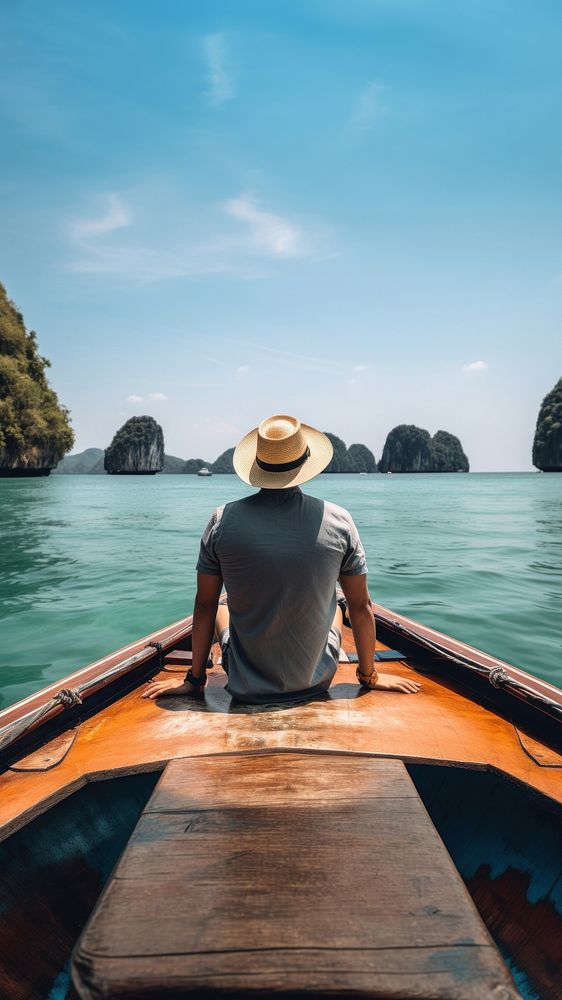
[{"x": 280, "y": 553}]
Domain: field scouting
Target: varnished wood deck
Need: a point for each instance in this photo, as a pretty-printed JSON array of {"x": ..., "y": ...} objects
[
  {"x": 282, "y": 874},
  {"x": 438, "y": 725}
]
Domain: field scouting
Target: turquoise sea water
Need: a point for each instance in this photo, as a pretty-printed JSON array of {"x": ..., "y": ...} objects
[{"x": 89, "y": 563}]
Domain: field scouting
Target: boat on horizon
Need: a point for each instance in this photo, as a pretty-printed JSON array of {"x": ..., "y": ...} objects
[
  {"x": 204, "y": 471},
  {"x": 306, "y": 816}
]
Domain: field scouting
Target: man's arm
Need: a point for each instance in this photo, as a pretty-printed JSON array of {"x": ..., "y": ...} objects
[
  {"x": 362, "y": 619},
  {"x": 363, "y": 624},
  {"x": 204, "y": 615}
]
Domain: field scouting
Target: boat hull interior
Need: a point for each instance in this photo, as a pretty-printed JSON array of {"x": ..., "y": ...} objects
[
  {"x": 506, "y": 844},
  {"x": 73, "y": 786}
]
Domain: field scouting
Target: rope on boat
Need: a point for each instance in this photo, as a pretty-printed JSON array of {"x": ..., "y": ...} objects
[
  {"x": 70, "y": 697},
  {"x": 498, "y": 677}
]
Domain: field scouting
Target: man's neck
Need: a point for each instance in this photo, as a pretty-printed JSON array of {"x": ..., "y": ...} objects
[{"x": 287, "y": 491}]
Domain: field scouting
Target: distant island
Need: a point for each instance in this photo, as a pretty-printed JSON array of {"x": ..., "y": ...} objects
[
  {"x": 36, "y": 434},
  {"x": 356, "y": 458},
  {"x": 547, "y": 445},
  {"x": 91, "y": 463},
  {"x": 407, "y": 449},
  {"x": 412, "y": 449},
  {"x": 35, "y": 429},
  {"x": 137, "y": 449}
]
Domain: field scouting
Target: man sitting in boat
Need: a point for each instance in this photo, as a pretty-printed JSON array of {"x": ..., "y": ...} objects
[{"x": 280, "y": 554}]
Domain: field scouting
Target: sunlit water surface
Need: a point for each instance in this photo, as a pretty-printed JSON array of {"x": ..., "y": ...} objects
[{"x": 89, "y": 563}]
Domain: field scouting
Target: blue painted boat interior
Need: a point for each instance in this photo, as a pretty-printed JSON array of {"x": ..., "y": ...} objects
[
  {"x": 498, "y": 834},
  {"x": 495, "y": 829}
]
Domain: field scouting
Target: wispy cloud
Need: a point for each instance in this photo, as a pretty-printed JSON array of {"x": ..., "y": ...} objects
[
  {"x": 220, "y": 87},
  {"x": 114, "y": 216},
  {"x": 293, "y": 359},
  {"x": 368, "y": 106},
  {"x": 243, "y": 369},
  {"x": 238, "y": 236},
  {"x": 134, "y": 399},
  {"x": 475, "y": 367},
  {"x": 360, "y": 368},
  {"x": 214, "y": 361},
  {"x": 158, "y": 397},
  {"x": 270, "y": 234}
]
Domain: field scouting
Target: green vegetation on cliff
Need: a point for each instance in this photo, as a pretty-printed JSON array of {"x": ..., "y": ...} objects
[
  {"x": 223, "y": 464},
  {"x": 406, "y": 449},
  {"x": 85, "y": 463},
  {"x": 35, "y": 429},
  {"x": 448, "y": 454},
  {"x": 361, "y": 458},
  {"x": 356, "y": 458},
  {"x": 411, "y": 449},
  {"x": 547, "y": 446},
  {"x": 137, "y": 448}
]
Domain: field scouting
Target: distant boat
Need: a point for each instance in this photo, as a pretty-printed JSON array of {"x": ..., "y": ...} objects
[
  {"x": 204, "y": 471},
  {"x": 362, "y": 473}
]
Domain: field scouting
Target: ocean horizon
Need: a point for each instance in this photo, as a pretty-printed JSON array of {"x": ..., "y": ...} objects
[{"x": 90, "y": 563}]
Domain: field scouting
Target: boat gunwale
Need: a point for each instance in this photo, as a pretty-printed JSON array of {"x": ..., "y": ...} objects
[
  {"x": 535, "y": 684},
  {"x": 531, "y": 691},
  {"x": 168, "y": 637}
]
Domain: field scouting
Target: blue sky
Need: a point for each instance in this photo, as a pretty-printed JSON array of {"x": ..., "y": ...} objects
[{"x": 350, "y": 211}]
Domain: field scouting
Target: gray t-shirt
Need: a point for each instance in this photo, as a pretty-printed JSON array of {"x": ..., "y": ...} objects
[{"x": 280, "y": 553}]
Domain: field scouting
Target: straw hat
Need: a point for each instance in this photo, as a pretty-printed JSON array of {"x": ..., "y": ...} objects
[{"x": 280, "y": 453}]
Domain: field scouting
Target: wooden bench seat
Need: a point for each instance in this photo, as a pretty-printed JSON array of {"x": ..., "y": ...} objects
[
  {"x": 291, "y": 873},
  {"x": 182, "y": 656}
]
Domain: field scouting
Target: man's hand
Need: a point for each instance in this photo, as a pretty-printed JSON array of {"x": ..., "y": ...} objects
[
  {"x": 391, "y": 682},
  {"x": 156, "y": 689}
]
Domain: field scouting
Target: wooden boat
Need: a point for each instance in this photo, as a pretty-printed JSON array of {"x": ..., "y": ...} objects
[{"x": 356, "y": 793}]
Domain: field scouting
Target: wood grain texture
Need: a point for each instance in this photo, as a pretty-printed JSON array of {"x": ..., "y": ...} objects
[
  {"x": 438, "y": 725},
  {"x": 50, "y": 755},
  {"x": 287, "y": 873}
]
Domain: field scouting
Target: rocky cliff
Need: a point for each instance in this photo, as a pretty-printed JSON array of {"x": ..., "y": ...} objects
[
  {"x": 361, "y": 458},
  {"x": 448, "y": 454},
  {"x": 547, "y": 445},
  {"x": 223, "y": 464},
  {"x": 356, "y": 458},
  {"x": 35, "y": 429},
  {"x": 90, "y": 463},
  {"x": 136, "y": 449},
  {"x": 406, "y": 449},
  {"x": 411, "y": 449}
]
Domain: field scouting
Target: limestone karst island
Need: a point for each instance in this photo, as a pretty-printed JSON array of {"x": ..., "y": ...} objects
[
  {"x": 411, "y": 449},
  {"x": 547, "y": 446},
  {"x": 136, "y": 449},
  {"x": 35, "y": 430}
]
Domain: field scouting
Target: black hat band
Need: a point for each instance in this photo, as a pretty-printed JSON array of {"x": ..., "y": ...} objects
[{"x": 283, "y": 466}]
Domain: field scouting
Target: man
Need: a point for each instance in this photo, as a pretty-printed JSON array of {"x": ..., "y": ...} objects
[{"x": 280, "y": 554}]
